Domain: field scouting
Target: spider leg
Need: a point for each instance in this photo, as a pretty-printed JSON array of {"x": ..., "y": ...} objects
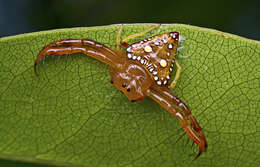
[
  {"x": 85, "y": 46},
  {"x": 181, "y": 39},
  {"x": 80, "y": 42},
  {"x": 180, "y": 48},
  {"x": 125, "y": 40},
  {"x": 167, "y": 94},
  {"x": 194, "y": 131},
  {"x": 177, "y": 75},
  {"x": 118, "y": 40}
]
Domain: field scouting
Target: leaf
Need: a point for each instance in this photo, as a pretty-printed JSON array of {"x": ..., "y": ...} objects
[{"x": 71, "y": 114}]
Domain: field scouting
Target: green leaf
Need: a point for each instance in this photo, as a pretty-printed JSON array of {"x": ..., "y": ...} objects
[{"x": 71, "y": 115}]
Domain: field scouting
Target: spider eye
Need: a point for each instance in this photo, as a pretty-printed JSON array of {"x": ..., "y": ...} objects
[
  {"x": 128, "y": 89},
  {"x": 123, "y": 85}
]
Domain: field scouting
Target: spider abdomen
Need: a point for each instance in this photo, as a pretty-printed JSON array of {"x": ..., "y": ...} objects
[{"x": 156, "y": 55}]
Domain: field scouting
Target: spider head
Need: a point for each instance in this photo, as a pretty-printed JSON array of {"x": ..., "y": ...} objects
[{"x": 132, "y": 80}]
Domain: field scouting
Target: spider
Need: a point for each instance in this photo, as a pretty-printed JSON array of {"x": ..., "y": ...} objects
[{"x": 142, "y": 70}]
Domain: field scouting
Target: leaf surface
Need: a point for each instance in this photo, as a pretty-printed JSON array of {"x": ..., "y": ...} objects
[{"x": 71, "y": 115}]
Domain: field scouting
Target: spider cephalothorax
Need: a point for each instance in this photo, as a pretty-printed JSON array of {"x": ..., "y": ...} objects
[
  {"x": 132, "y": 79},
  {"x": 144, "y": 70}
]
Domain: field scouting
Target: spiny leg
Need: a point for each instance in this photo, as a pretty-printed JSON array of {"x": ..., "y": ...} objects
[
  {"x": 177, "y": 75},
  {"x": 167, "y": 104},
  {"x": 167, "y": 94},
  {"x": 79, "y": 43},
  {"x": 85, "y": 46},
  {"x": 125, "y": 40}
]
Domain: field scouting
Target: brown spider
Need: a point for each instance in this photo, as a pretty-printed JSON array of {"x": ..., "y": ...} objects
[{"x": 145, "y": 71}]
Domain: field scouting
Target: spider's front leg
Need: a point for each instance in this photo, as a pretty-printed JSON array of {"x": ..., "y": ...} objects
[
  {"x": 85, "y": 46},
  {"x": 167, "y": 94},
  {"x": 194, "y": 131}
]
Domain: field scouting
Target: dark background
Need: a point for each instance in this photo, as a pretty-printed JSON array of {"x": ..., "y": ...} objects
[{"x": 233, "y": 16}]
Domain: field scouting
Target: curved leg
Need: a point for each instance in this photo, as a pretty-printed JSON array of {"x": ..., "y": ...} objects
[
  {"x": 125, "y": 40},
  {"x": 194, "y": 131},
  {"x": 85, "y": 46},
  {"x": 167, "y": 94},
  {"x": 177, "y": 75}
]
